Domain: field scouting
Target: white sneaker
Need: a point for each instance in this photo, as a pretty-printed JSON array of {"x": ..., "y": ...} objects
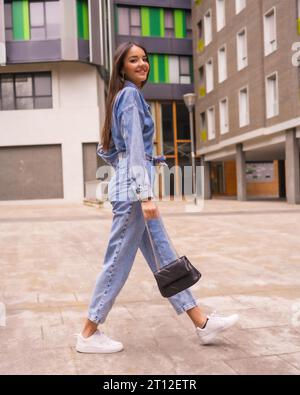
[
  {"x": 97, "y": 343},
  {"x": 216, "y": 323}
]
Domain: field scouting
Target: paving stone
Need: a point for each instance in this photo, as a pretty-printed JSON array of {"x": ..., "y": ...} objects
[{"x": 263, "y": 366}]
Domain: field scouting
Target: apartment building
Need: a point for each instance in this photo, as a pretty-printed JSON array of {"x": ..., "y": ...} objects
[
  {"x": 248, "y": 103},
  {"x": 55, "y": 57},
  {"x": 165, "y": 30}
]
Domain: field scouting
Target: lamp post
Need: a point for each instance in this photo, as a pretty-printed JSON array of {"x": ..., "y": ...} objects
[{"x": 189, "y": 101}]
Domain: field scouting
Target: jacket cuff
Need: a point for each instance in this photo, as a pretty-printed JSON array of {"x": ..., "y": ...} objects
[{"x": 144, "y": 192}]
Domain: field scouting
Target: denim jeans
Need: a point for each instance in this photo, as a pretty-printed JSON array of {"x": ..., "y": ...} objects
[{"x": 128, "y": 233}]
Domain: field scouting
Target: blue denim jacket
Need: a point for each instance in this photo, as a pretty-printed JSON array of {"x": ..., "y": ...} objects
[{"x": 132, "y": 134}]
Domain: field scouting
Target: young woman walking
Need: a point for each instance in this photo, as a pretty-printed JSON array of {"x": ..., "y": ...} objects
[{"x": 127, "y": 145}]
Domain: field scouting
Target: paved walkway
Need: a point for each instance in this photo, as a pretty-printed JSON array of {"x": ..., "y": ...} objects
[{"x": 248, "y": 253}]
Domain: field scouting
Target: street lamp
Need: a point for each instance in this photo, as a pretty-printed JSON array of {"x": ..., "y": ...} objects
[{"x": 189, "y": 101}]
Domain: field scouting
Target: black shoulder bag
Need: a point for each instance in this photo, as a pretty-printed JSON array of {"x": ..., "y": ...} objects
[{"x": 176, "y": 276}]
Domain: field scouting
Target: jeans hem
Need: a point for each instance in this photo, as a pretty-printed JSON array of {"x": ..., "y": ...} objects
[
  {"x": 186, "y": 307},
  {"x": 93, "y": 319}
]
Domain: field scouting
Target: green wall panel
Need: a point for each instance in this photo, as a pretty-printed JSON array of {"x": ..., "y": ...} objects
[
  {"x": 145, "y": 21},
  {"x": 151, "y": 75},
  {"x": 153, "y": 22},
  {"x": 180, "y": 23},
  {"x": 83, "y": 19},
  {"x": 159, "y": 68},
  {"x": 156, "y": 68},
  {"x": 20, "y": 19}
]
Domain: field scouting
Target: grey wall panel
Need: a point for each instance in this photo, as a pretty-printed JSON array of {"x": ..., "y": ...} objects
[
  {"x": 69, "y": 43},
  {"x": 158, "y": 45},
  {"x": 84, "y": 50},
  {"x": 90, "y": 163},
  {"x": 166, "y": 91},
  {"x": 33, "y": 51},
  {"x": 2, "y": 34},
  {"x": 95, "y": 33},
  {"x": 186, "y": 4},
  {"x": 31, "y": 172}
]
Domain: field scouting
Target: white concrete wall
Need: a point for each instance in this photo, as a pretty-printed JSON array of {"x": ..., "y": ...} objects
[{"x": 74, "y": 119}]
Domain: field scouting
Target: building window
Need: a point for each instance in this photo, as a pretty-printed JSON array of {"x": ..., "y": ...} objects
[
  {"x": 169, "y": 23},
  {"x": 8, "y": 21},
  {"x": 135, "y": 21},
  {"x": 129, "y": 21},
  {"x": 241, "y": 44},
  {"x": 203, "y": 126},
  {"x": 272, "y": 104},
  {"x": 209, "y": 73},
  {"x": 200, "y": 43},
  {"x": 270, "y": 31},
  {"x": 184, "y": 70},
  {"x": 222, "y": 64},
  {"x": 220, "y": 7},
  {"x": 243, "y": 107},
  {"x": 189, "y": 29},
  {"x": 202, "y": 87},
  {"x": 211, "y": 124},
  {"x": 239, "y": 5},
  {"x": 207, "y": 27},
  {"x": 224, "y": 128},
  {"x": 35, "y": 20},
  {"x": 44, "y": 20},
  {"x": 200, "y": 30},
  {"x": 25, "y": 91},
  {"x": 170, "y": 69}
]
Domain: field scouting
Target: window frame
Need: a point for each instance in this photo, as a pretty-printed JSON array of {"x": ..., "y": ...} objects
[
  {"x": 276, "y": 112},
  {"x": 33, "y": 96},
  {"x": 8, "y": 29},
  {"x": 220, "y": 17},
  {"x": 226, "y": 130},
  {"x": 248, "y": 106},
  {"x": 130, "y": 21},
  {"x": 219, "y": 63},
  {"x": 241, "y": 63},
  {"x": 169, "y": 29},
  {"x": 210, "y": 60},
  {"x": 45, "y": 25},
  {"x": 211, "y": 136},
  {"x": 181, "y": 74},
  {"x": 128, "y": 9},
  {"x": 209, "y": 11},
  {"x": 238, "y": 7},
  {"x": 268, "y": 50}
]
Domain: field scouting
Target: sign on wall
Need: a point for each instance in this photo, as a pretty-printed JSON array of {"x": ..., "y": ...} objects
[{"x": 260, "y": 172}]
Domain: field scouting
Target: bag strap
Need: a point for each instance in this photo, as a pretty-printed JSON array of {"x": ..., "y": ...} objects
[{"x": 157, "y": 263}]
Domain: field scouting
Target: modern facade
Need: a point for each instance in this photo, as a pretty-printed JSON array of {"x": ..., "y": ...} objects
[
  {"x": 165, "y": 30},
  {"x": 248, "y": 103},
  {"x": 55, "y": 57}
]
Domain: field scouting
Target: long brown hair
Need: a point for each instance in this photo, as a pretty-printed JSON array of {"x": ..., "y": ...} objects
[{"x": 116, "y": 83}]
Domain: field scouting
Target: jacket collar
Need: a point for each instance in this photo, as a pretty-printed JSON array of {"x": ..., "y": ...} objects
[{"x": 129, "y": 83}]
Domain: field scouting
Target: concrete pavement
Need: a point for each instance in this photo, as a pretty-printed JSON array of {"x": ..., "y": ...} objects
[{"x": 249, "y": 256}]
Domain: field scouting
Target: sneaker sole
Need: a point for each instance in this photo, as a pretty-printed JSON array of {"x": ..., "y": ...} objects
[
  {"x": 213, "y": 335},
  {"x": 92, "y": 350}
]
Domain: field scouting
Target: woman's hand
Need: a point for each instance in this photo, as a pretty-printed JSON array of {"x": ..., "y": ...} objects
[{"x": 150, "y": 210}]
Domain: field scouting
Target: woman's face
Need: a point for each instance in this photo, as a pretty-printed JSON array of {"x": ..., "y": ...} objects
[{"x": 136, "y": 66}]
